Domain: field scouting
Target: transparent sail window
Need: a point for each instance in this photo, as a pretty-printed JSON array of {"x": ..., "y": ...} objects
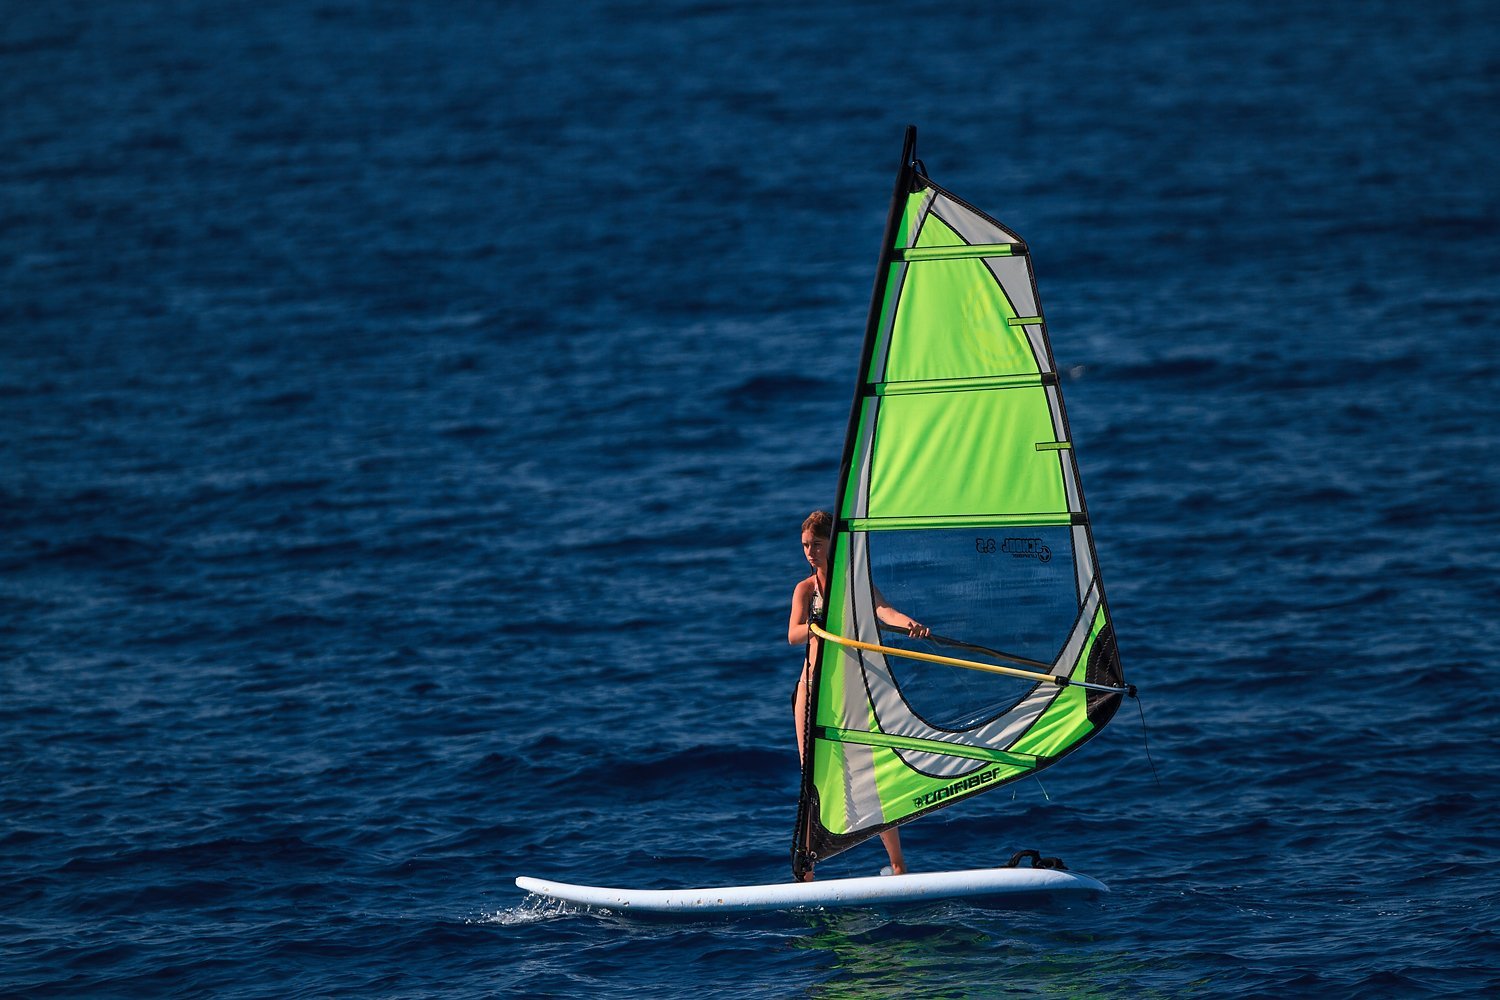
[{"x": 1006, "y": 597}]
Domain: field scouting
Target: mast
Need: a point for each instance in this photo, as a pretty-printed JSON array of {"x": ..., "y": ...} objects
[{"x": 801, "y": 860}]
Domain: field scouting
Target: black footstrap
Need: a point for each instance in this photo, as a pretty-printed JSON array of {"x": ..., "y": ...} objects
[{"x": 1037, "y": 861}]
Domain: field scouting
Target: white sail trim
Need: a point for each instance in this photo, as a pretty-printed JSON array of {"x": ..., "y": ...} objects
[
  {"x": 870, "y": 412},
  {"x": 1083, "y": 559},
  {"x": 1065, "y": 459}
]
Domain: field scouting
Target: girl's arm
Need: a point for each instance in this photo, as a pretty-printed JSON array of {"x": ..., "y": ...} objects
[
  {"x": 796, "y": 626},
  {"x": 899, "y": 619}
]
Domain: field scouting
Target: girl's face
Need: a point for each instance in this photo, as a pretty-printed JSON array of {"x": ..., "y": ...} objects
[{"x": 816, "y": 550}]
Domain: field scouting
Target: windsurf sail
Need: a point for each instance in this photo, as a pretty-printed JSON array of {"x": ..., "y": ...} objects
[{"x": 959, "y": 504}]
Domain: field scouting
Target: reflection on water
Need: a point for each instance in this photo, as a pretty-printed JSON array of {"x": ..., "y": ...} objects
[{"x": 962, "y": 950}]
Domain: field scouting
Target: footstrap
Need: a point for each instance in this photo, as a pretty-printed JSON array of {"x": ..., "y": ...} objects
[{"x": 1037, "y": 861}]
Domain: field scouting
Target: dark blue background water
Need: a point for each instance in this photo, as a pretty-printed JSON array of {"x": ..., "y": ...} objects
[{"x": 408, "y": 410}]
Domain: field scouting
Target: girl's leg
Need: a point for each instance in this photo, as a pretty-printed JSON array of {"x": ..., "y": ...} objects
[
  {"x": 799, "y": 714},
  {"x": 892, "y": 841}
]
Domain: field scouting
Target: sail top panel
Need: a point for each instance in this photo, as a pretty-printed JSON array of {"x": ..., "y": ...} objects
[{"x": 959, "y": 297}]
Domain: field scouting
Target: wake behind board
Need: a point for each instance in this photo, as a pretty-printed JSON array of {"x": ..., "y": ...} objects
[{"x": 870, "y": 891}]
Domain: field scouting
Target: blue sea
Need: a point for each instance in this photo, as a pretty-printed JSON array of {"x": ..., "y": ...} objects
[{"x": 408, "y": 410}]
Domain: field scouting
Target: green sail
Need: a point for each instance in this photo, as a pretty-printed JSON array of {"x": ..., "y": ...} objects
[{"x": 959, "y": 505}]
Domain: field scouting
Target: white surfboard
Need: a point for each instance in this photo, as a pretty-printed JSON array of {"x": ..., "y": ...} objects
[{"x": 870, "y": 891}]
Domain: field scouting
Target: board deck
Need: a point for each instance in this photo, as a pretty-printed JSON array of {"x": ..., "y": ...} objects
[{"x": 872, "y": 890}]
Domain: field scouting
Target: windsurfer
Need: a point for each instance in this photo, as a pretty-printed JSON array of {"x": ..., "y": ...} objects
[{"x": 809, "y": 604}]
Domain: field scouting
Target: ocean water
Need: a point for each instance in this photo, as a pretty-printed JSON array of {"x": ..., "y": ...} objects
[{"x": 407, "y": 412}]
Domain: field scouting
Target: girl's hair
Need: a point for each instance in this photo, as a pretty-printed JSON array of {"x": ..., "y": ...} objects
[{"x": 820, "y": 523}]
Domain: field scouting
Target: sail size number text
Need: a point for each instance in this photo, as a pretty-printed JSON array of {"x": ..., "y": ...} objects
[{"x": 1020, "y": 548}]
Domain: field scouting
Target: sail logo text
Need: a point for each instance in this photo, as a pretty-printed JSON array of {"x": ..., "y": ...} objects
[
  {"x": 968, "y": 784},
  {"x": 1028, "y": 548}
]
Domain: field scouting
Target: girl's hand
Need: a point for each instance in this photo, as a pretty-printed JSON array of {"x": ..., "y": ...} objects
[{"x": 917, "y": 630}]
